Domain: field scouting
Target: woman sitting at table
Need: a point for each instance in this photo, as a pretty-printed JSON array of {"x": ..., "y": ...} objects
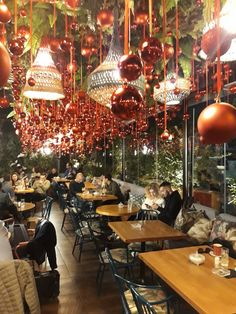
[
  {"x": 152, "y": 199},
  {"x": 7, "y": 186},
  {"x": 76, "y": 185},
  {"x": 16, "y": 182}
]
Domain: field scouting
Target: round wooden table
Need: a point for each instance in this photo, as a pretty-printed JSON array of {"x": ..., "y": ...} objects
[
  {"x": 27, "y": 206},
  {"x": 117, "y": 211},
  {"x": 24, "y": 191},
  {"x": 91, "y": 197}
]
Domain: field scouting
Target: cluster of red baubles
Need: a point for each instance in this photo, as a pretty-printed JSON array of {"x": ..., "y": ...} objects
[{"x": 86, "y": 125}]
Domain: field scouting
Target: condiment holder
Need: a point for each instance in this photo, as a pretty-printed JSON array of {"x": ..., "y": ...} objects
[{"x": 197, "y": 258}]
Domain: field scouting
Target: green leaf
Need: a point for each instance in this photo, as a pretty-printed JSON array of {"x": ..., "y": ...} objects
[
  {"x": 11, "y": 114},
  {"x": 185, "y": 64}
]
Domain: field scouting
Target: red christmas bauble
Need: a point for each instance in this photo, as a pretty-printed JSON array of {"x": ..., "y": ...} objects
[
  {"x": 209, "y": 42},
  {"x": 5, "y": 65},
  {"x": 165, "y": 135},
  {"x": 125, "y": 102},
  {"x": 5, "y": 14},
  {"x": 31, "y": 81},
  {"x": 4, "y": 103},
  {"x": 105, "y": 18},
  {"x": 23, "y": 12},
  {"x": 89, "y": 39},
  {"x": 54, "y": 45},
  {"x": 73, "y": 3},
  {"x": 141, "y": 16},
  {"x": 130, "y": 67},
  {"x": 66, "y": 44},
  {"x": 23, "y": 31},
  {"x": 16, "y": 47},
  {"x": 169, "y": 50},
  {"x": 151, "y": 50},
  {"x": 217, "y": 123}
]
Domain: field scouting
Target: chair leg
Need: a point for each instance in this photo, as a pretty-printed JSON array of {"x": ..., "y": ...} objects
[
  {"x": 80, "y": 248},
  {"x": 75, "y": 243},
  {"x": 100, "y": 280},
  {"x": 63, "y": 221}
]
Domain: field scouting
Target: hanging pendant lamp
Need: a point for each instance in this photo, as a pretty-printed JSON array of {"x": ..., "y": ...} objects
[
  {"x": 47, "y": 79},
  {"x": 105, "y": 79}
]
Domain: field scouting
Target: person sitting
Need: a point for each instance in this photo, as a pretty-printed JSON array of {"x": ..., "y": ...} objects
[
  {"x": 77, "y": 185},
  {"x": 16, "y": 181},
  {"x": 70, "y": 172},
  {"x": 6, "y": 251},
  {"x": 152, "y": 199},
  {"x": 172, "y": 206},
  {"x": 7, "y": 208},
  {"x": 112, "y": 187},
  {"x": 7, "y": 186},
  {"x": 40, "y": 186},
  {"x": 52, "y": 174}
]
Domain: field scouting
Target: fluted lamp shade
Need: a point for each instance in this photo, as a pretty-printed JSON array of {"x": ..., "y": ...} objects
[
  {"x": 172, "y": 83},
  {"x": 48, "y": 85},
  {"x": 105, "y": 79}
]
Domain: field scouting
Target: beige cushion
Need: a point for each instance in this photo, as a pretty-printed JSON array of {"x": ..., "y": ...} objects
[
  {"x": 119, "y": 255},
  {"x": 151, "y": 295},
  {"x": 200, "y": 231}
]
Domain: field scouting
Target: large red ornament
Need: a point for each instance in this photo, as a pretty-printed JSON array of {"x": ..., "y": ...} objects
[
  {"x": 105, "y": 18},
  {"x": 151, "y": 50},
  {"x": 5, "y": 65},
  {"x": 4, "y": 103},
  {"x": 125, "y": 102},
  {"x": 141, "y": 16},
  {"x": 23, "y": 31},
  {"x": 169, "y": 50},
  {"x": 73, "y": 3},
  {"x": 54, "y": 44},
  {"x": 130, "y": 67},
  {"x": 16, "y": 47},
  {"x": 66, "y": 44},
  {"x": 5, "y": 14},
  {"x": 217, "y": 123},
  {"x": 209, "y": 42}
]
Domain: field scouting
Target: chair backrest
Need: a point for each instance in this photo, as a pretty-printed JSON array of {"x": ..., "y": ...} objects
[
  {"x": 99, "y": 242},
  {"x": 148, "y": 214},
  {"x": 47, "y": 207}
]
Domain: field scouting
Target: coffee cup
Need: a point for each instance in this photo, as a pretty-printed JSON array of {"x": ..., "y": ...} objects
[{"x": 217, "y": 247}]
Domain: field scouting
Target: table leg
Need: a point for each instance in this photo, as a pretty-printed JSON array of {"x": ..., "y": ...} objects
[{"x": 142, "y": 266}]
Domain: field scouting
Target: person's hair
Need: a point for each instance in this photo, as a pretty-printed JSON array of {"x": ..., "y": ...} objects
[
  {"x": 165, "y": 184},
  {"x": 6, "y": 178},
  {"x": 153, "y": 186},
  {"x": 108, "y": 176},
  {"x": 69, "y": 164}
]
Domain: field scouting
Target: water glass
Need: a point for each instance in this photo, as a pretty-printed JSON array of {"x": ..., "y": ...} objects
[
  {"x": 224, "y": 261},
  {"x": 22, "y": 202}
]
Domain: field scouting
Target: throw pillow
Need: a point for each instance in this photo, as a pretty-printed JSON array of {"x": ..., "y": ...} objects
[
  {"x": 186, "y": 219},
  {"x": 222, "y": 229},
  {"x": 200, "y": 230}
]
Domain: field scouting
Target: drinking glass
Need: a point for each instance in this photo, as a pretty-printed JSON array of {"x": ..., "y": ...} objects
[
  {"x": 22, "y": 202},
  {"x": 224, "y": 261}
]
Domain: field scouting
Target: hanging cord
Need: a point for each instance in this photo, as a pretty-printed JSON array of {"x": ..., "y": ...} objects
[
  {"x": 31, "y": 32},
  {"x": 150, "y": 6},
  {"x": 218, "y": 71},
  {"x": 126, "y": 34},
  {"x": 164, "y": 61},
  {"x": 15, "y": 17},
  {"x": 177, "y": 39},
  {"x": 54, "y": 19}
]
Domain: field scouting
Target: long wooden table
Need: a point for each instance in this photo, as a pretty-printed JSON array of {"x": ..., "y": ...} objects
[
  {"x": 114, "y": 210},
  {"x": 24, "y": 191},
  {"x": 143, "y": 231},
  {"x": 206, "y": 292}
]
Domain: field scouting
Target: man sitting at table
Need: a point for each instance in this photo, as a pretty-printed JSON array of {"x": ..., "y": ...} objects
[
  {"x": 52, "y": 174},
  {"x": 40, "y": 186},
  {"x": 7, "y": 186},
  {"x": 7, "y": 208},
  {"x": 77, "y": 185},
  {"x": 173, "y": 204},
  {"x": 70, "y": 171},
  {"x": 112, "y": 187}
]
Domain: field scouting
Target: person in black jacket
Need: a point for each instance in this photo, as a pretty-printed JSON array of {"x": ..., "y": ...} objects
[
  {"x": 113, "y": 188},
  {"x": 77, "y": 185},
  {"x": 44, "y": 242},
  {"x": 173, "y": 204}
]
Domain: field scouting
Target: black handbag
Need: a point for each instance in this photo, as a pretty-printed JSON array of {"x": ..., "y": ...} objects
[{"x": 48, "y": 284}]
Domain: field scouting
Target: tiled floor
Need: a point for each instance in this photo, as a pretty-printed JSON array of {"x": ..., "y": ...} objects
[{"x": 77, "y": 283}]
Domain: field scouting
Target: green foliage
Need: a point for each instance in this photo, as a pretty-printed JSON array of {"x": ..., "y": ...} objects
[
  {"x": 42, "y": 162},
  {"x": 232, "y": 190}
]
